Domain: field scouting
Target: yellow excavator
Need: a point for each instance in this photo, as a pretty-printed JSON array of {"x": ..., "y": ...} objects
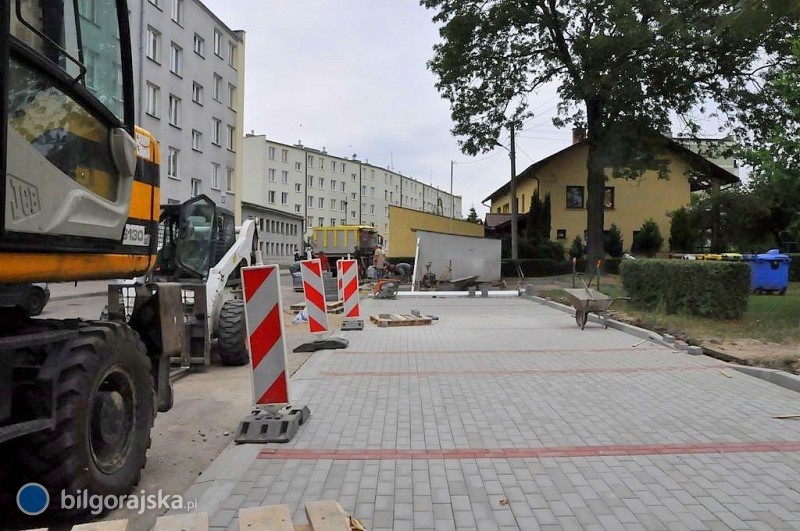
[{"x": 79, "y": 200}]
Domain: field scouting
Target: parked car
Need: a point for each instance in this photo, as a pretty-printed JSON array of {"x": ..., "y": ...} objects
[{"x": 30, "y": 298}]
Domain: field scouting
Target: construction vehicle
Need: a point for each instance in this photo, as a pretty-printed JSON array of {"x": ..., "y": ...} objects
[
  {"x": 79, "y": 200},
  {"x": 343, "y": 240},
  {"x": 198, "y": 248}
]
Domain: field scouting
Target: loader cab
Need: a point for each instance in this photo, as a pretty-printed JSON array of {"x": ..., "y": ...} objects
[{"x": 193, "y": 237}]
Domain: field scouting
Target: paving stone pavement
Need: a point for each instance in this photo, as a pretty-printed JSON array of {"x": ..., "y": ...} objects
[{"x": 504, "y": 415}]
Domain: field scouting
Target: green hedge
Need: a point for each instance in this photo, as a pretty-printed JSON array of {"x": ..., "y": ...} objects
[
  {"x": 794, "y": 268},
  {"x": 705, "y": 288},
  {"x": 609, "y": 265}
]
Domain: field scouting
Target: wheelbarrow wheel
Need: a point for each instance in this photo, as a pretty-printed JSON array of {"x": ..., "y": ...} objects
[{"x": 580, "y": 318}]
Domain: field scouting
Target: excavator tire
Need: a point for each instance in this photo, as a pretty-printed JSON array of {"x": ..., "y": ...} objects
[
  {"x": 233, "y": 334},
  {"x": 105, "y": 407}
]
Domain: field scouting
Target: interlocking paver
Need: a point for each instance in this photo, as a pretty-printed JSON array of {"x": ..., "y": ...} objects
[{"x": 495, "y": 375}]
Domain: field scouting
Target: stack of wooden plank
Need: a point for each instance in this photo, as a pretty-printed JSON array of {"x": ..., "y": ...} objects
[
  {"x": 333, "y": 307},
  {"x": 396, "y": 319},
  {"x": 322, "y": 516}
]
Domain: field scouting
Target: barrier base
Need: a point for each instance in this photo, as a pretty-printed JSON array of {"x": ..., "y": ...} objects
[
  {"x": 271, "y": 424},
  {"x": 353, "y": 324},
  {"x": 323, "y": 344}
]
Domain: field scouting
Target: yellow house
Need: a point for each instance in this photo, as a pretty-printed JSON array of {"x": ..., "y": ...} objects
[
  {"x": 629, "y": 203},
  {"x": 405, "y": 222}
]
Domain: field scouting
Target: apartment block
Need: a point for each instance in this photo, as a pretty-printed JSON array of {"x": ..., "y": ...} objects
[
  {"x": 189, "y": 82},
  {"x": 328, "y": 190}
]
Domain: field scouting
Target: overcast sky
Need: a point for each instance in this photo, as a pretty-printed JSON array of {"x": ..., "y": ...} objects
[{"x": 351, "y": 76}]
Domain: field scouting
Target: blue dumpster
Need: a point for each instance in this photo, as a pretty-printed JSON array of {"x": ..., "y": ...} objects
[{"x": 768, "y": 271}]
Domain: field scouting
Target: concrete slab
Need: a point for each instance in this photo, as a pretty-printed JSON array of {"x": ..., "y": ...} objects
[{"x": 505, "y": 415}]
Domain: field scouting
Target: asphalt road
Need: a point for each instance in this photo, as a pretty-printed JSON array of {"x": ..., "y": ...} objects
[{"x": 209, "y": 403}]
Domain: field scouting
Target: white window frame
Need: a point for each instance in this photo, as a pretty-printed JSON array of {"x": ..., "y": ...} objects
[
  {"x": 333, "y": 185},
  {"x": 215, "y": 176},
  {"x": 197, "y": 140},
  {"x": 153, "y": 44},
  {"x": 197, "y": 93},
  {"x": 232, "y": 54},
  {"x": 271, "y": 175},
  {"x": 196, "y": 187},
  {"x": 173, "y": 163},
  {"x": 217, "y": 88},
  {"x": 321, "y": 202},
  {"x": 271, "y": 152},
  {"x": 175, "y": 59},
  {"x": 284, "y": 198},
  {"x": 177, "y": 12},
  {"x": 231, "y": 96},
  {"x": 199, "y": 45},
  {"x": 153, "y": 103},
  {"x": 216, "y": 131},
  {"x": 217, "y": 43},
  {"x": 229, "y": 180},
  {"x": 230, "y": 138},
  {"x": 333, "y": 204},
  {"x": 298, "y": 208},
  {"x": 298, "y": 187},
  {"x": 285, "y": 177},
  {"x": 271, "y": 197},
  {"x": 174, "y": 110},
  {"x": 310, "y": 201}
]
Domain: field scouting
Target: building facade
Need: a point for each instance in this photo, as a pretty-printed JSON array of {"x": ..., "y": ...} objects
[
  {"x": 189, "y": 83},
  {"x": 280, "y": 234},
  {"x": 327, "y": 190}
]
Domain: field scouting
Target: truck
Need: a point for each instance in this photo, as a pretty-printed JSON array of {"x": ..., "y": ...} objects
[{"x": 342, "y": 240}]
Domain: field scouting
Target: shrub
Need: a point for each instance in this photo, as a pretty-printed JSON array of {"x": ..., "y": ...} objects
[
  {"x": 705, "y": 288},
  {"x": 611, "y": 265},
  {"x": 536, "y": 268},
  {"x": 577, "y": 250},
  {"x": 794, "y": 268},
  {"x": 541, "y": 250},
  {"x": 612, "y": 242},
  {"x": 648, "y": 240},
  {"x": 681, "y": 234}
]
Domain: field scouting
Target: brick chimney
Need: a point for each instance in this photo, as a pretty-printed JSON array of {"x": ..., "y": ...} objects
[{"x": 578, "y": 134}]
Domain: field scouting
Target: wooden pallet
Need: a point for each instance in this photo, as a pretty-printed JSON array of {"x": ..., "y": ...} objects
[
  {"x": 396, "y": 319},
  {"x": 322, "y": 516},
  {"x": 333, "y": 307}
]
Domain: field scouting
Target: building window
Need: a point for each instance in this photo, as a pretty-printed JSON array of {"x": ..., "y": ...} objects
[
  {"x": 321, "y": 222},
  {"x": 311, "y": 201},
  {"x": 309, "y": 222},
  {"x": 333, "y": 185},
  {"x": 197, "y": 187},
  {"x": 574, "y": 196},
  {"x": 298, "y": 166},
  {"x": 271, "y": 173},
  {"x": 297, "y": 208},
  {"x": 90, "y": 61},
  {"x": 284, "y": 198},
  {"x": 364, "y": 190},
  {"x": 321, "y": 163},
  {"x": 217, "y": 87},
  {"x": 310, "y": 181},
  {"x": 231, "y": 138},
  {"x": 298, "y": 187},
  {"x": 271, "y": 153},
  {"x": 154, "y": 44},
  {"x": 174, "y": 110},
  {"x": 372, "y": 191},
  {"x": 343, "y": 168},
  {"x": 285, "y": 177},
  {"x": 197, "y": 140},
  {"x": 343, "y": 188},
  {"x": 321, "y": 183},
  {"x": 197, "y": 93},
  {"x": 352, "y": 176},
  {"x": 333, "y": 204},
  {"x": 352, "y": 213},
  {"x": 218, "y": 43},
  {"x": 177, "y": 11},
  {"x": 175, "y": 59},
  {"x": 333, "y": 166},
  {"x": 215, "y": 176},
  {"x": 199, "y": 45},
  {"x": 322, "y": 202},
  {"x": 310, "y": 161},
  {"x": 229, "y": 180},
  {"x": 372, "y": 209},
  {"x": 608, "y": 197},
  {"x": 231, "y": 54},
  {"x": 216, "y": 131},
  {"x": 561, "y": 234},
  {"x": 172, "y": 163},
  {"x": 231, "y": 96},
  {"x": 271, "y": 197},
  {"x": 285, "y": 158},
  {"x": 153, "y": 95},
  {"x": 333, "y": 222}
]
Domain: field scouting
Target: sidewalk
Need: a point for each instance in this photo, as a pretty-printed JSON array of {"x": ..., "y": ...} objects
[
  {"x": 60, "y": 291},
  {"x": 504, "y": 415}
]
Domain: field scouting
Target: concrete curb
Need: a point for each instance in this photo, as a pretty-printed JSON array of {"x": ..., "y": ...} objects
[
  {"x": 635, "y": 331},
  {"x": 783, "y": 379}
]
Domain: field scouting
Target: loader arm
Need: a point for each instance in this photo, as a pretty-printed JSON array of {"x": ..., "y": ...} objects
[{"x": 241, "y": 250}]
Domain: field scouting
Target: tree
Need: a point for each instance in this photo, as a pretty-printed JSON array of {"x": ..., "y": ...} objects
[
  {"x": 613, "y": 244},
  {"x": 577, "y": 249},
  {"x": 648, "y": 240},
  {"x": 472, "y": 217},
  {"x": 537, "y": 229},
  {"x": 622, "y": 68},
  {"x": 681, "y": 232}
]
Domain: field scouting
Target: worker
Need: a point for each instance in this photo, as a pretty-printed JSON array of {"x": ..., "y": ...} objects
[
  {"x": 379, "y": 260},
  {"x": 323, "y": 261},
  {"x": 404, "y": 271},
  {"x": 359, "y": 258}
]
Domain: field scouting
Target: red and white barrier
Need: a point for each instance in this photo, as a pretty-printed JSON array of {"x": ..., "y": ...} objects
[
  {"x": 266, "y": 342},
  {"x": 349, "y": 275},
  {"x": 314, "y": 290},
  {"x": 339, "y": 276}
]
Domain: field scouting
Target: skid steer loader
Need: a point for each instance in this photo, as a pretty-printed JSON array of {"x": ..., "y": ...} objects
[{"x": 199, "y": 248}]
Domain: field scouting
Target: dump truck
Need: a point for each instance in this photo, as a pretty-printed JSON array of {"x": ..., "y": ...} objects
[{"x": 342, "y": 240}]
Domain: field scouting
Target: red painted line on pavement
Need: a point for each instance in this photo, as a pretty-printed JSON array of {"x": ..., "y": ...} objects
[
  {"x": 587, "y": 350},
  {"x": 511, "y": 372},
  {"x": 511, "y": 453}
]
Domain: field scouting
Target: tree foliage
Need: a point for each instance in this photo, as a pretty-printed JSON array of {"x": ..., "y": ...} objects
[
  {"x": 472, "y": 217},
  {"x": 613, "y": 244},
  {"x": 622, "y": 68},
  {"x": 537, "y": 229},
  {"x": 577, "y": 249},
  {"x": 648, "y": 240},
  {"x": 682, "y": 236}
]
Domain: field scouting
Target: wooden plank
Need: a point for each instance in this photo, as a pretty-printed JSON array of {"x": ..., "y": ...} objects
[
  {"x": 183, "y": 522},
  {"x": 327, "y": 515},
  {"x": 111, "y": 525},
  {"x": 272, "y": 518}
]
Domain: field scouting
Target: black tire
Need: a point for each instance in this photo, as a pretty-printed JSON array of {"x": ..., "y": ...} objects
[
  {"x": 36, "y": 301},
  {"x": 105, "y": 410},
  {"x": 233, "y": 334},
  {"x": 581, "y": 318}
]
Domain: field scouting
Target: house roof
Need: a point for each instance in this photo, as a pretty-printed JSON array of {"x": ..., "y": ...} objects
[
  {"x": 708, "y": 169},
  {"x": 494, "y": 219}
]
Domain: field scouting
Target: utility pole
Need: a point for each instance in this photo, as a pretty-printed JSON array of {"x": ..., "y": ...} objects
[
  {"x": 513, "y": 193},
  {"x": 452, "y": 202}
]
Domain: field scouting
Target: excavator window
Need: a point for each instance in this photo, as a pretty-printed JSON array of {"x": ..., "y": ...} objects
[{"x": 197, "y": 235}]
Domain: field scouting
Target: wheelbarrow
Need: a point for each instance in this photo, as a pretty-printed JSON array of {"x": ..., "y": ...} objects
[{"x": 587, "y": 300}]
